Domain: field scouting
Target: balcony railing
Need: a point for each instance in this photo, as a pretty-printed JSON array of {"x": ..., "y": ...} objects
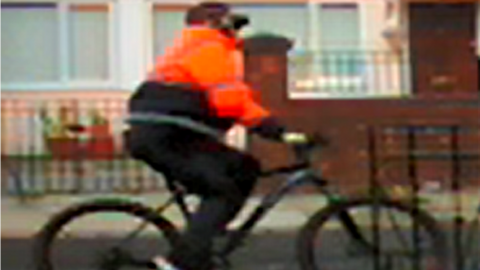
[{"x": 348, "y": 74}]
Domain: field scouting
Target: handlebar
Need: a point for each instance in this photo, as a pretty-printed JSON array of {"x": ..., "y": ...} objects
[
  {"x": 303, "y": 154},
  {"x": 303, "y": 151}
]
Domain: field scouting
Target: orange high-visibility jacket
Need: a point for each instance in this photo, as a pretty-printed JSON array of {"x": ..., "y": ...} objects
[{"x": 209, "y": 60}]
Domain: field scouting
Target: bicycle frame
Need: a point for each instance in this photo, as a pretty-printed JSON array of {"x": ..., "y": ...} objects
[
  {"x": 296, "y": 176},
  {"x": 299, "y": 177}
]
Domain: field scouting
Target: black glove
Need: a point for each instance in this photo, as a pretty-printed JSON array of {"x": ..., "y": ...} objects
[{"x": 269, "y": 128}]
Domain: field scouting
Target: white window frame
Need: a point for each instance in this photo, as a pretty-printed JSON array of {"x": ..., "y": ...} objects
[
  {"x": 62, "y": 9},
  {"x": 151, "y": 5},
  {"x": 314, "y": 47}
]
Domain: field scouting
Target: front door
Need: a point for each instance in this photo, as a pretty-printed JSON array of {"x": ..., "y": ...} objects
[{"x": 443, "y": 49}]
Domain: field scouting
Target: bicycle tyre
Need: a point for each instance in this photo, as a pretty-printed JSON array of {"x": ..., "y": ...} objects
[
  {"x": 306, "y": 238},
  {"x": 46, "y": 236}
]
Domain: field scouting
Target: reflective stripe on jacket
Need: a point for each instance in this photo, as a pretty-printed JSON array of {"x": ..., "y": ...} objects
[{"x": 211, "y": 61}]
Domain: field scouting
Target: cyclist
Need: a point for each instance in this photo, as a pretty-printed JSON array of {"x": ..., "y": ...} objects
[{"x": 199, "y": 78}]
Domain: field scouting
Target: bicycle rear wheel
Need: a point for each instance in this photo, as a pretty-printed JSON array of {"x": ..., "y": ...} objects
[
  {"x": 356, "y": 235},
  {"x": 99, "y": 235}
]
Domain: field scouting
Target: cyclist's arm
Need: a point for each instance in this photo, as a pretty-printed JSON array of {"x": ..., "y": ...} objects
[
  {"x": 230, "y": 95},
  {"x": 269, "y": 128},
  {"x": 266, "y": 125}
]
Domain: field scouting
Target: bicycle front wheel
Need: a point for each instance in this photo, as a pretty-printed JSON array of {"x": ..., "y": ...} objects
[
  {"x": 103, "y": 234},
  {"x": 357, "y": 235}
]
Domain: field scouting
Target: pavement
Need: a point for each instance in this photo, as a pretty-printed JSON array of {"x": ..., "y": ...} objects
[{"x": 24, "y": 219}]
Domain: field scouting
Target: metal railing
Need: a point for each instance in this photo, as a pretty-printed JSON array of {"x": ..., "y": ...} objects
[
  {"x": 40, "y": 156},
  {"x": 349, "y": 74},
  {"x": 451, "y": 196}
]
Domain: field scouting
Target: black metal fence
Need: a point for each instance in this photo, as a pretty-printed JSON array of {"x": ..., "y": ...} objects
[{"x": 448, "y": 155}]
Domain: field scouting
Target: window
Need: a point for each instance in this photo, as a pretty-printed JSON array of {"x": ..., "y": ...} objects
[
  {"x": 88, "y": 30},
  {"x": 339, "y": 39},
  {"x": 167, "y": 23},
  {"x": 53, "y": 44},
  {"x": 333, "y": 65},
  {"x": 285, "y": 20},
  {"x": 168, "y": 20},
  {"x": 21, "y": 24},
  {"x": 339, "y": 27}
]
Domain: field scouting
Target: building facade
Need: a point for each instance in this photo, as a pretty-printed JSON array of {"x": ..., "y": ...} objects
[{"x": 351, "y": 63}]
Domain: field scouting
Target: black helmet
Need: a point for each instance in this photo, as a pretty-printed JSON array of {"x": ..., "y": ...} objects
[{"x": 218, "y": 14}]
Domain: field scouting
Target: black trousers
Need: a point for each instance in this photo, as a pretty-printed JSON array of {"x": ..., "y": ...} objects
[{"x": 223, "y": 177}]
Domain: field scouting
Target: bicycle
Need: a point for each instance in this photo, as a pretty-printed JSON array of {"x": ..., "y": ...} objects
[{"x": 340, "y": 218}]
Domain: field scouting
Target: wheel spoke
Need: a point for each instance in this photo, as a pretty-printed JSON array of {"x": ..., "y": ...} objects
[
  {"x": 383, "y": 239},
  {"x": 93, "y": 237}
]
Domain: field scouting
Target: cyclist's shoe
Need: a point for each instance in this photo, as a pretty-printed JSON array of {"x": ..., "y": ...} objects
[{"x": 162, "y": 264}]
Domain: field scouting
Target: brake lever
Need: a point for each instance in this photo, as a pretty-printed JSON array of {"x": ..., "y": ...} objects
[{"x": 303, "y": 151}]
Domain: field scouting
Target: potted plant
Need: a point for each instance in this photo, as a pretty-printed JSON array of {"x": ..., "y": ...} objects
[
  {"x": 100, "y": 142},
  {"x": 61, "y": 143}
]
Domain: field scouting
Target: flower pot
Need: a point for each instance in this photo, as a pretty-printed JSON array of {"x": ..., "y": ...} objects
[
  {"x": 101, "y": 148},
  {"x": 101, "y": 143},
  {"x": 64, "y": 148}
]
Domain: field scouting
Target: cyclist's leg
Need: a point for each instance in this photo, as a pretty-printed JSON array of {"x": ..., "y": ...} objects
[
  {"x": 229, "y": 177},
  {"x": 223, "y": 177},
  {"x": 226, "y": 172}
]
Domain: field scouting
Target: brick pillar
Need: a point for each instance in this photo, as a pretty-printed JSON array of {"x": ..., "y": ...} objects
[
  {"x": 266, "y": 67},
  {"x": 266, "y": 70}
]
